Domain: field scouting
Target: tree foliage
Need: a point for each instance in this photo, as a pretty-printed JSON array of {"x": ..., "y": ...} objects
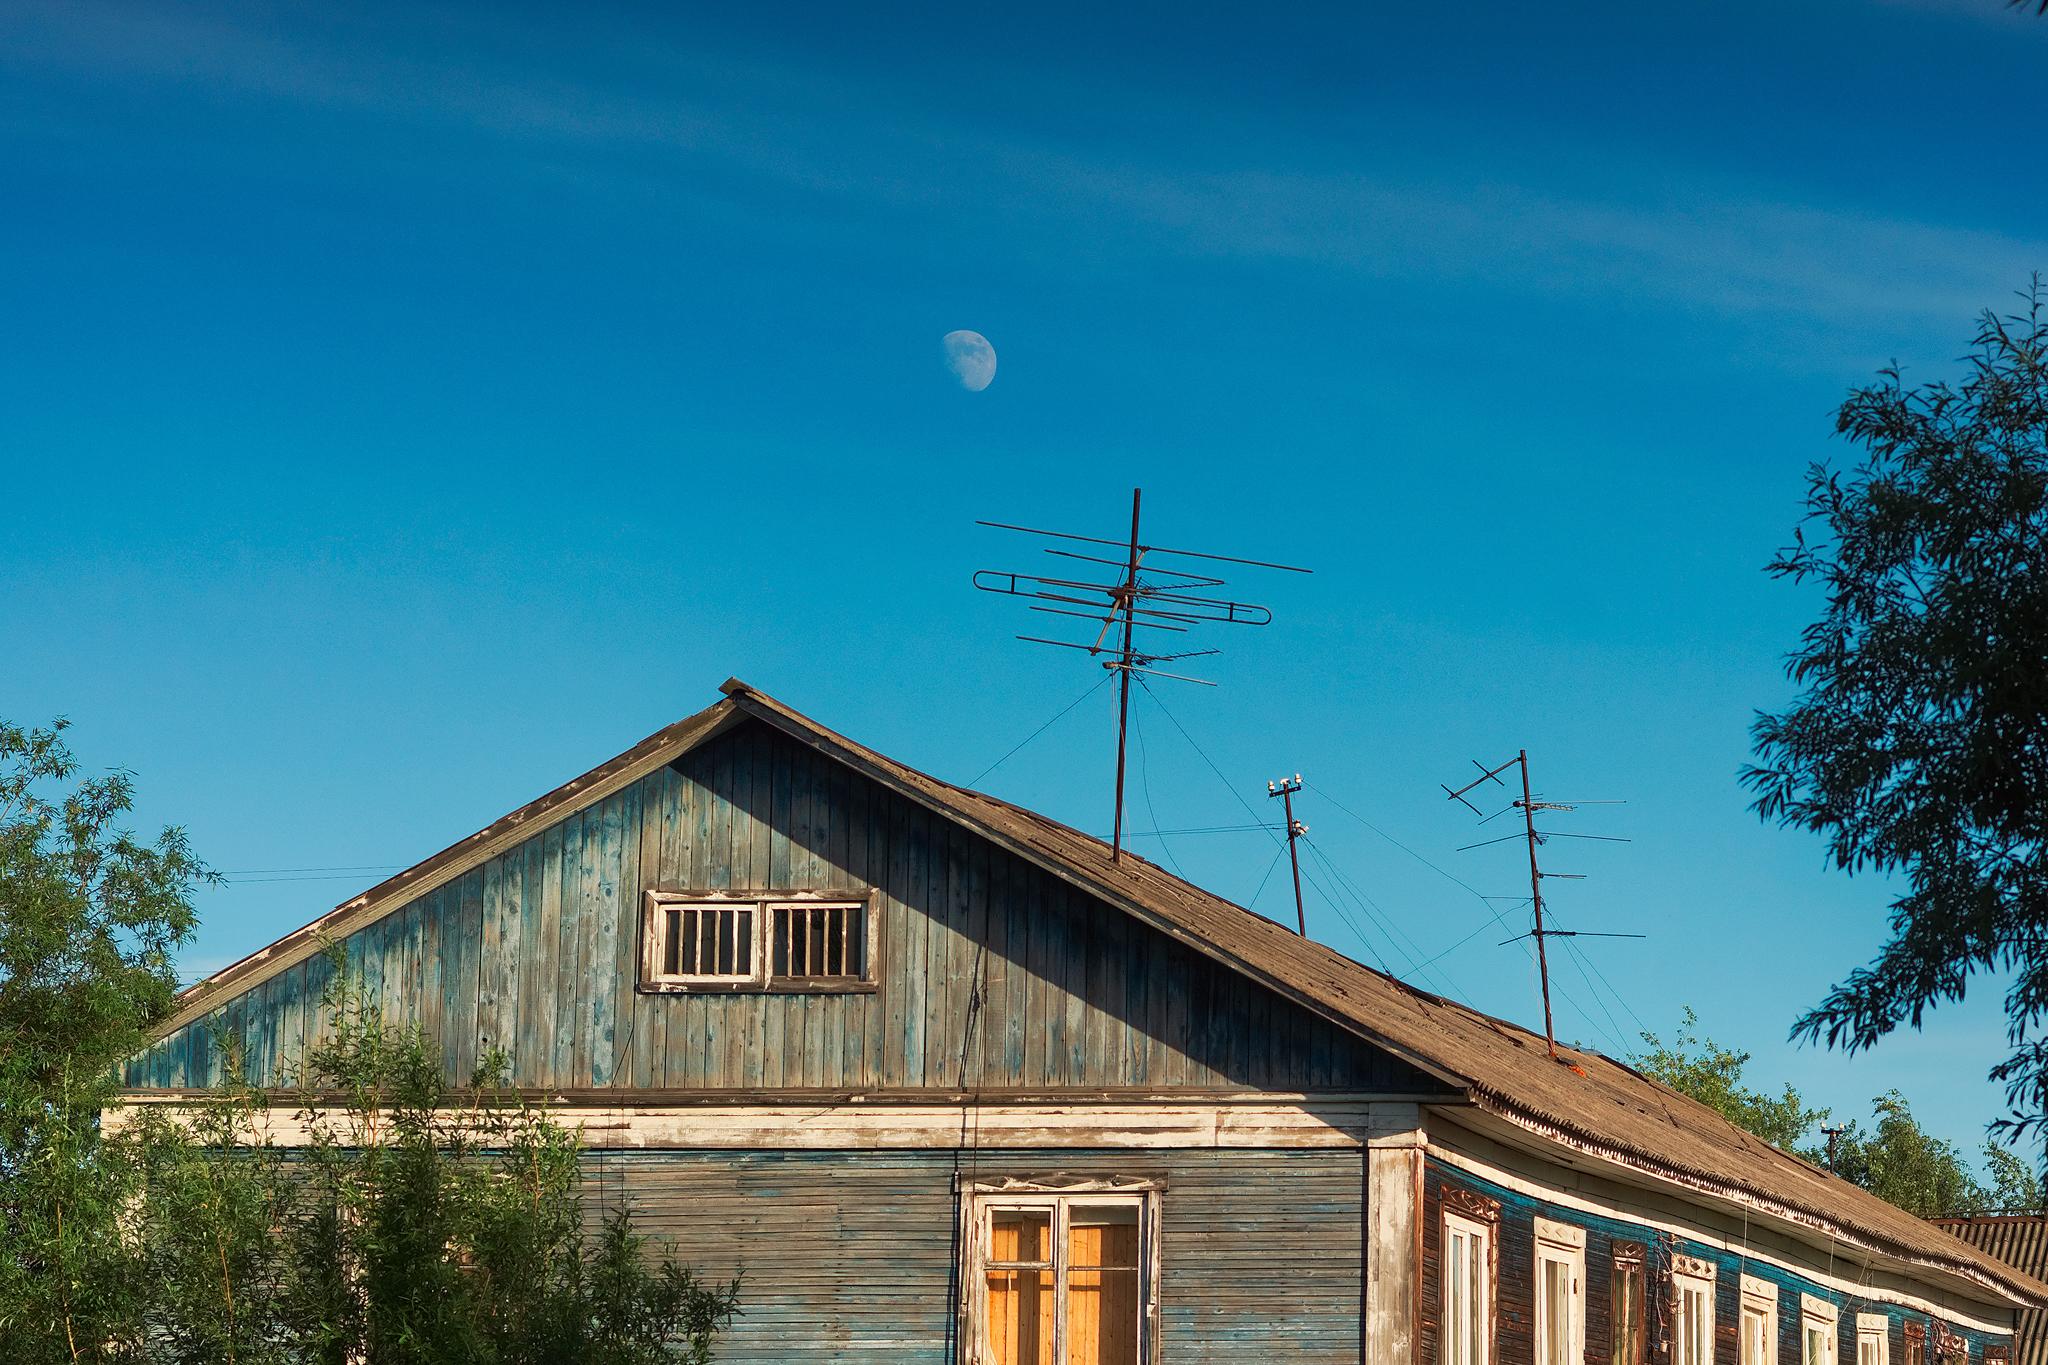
[
  {"x": 418, "y": 1224},
  {"x": 421, "y": 1223},
  {"x": 90, "y": 917},
  {"x": 1918, "y": 746}
]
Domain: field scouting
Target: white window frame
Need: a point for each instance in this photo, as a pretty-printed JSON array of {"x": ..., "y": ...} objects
[
  {"x": 1760, "y": 1303},
  {"x": 1817, "y": 1314},
  {"x": 1692, "y": 1340},
  {"x": 761, "y": 908},
  {"x": 1561, "y": 1244},
  {"x": 980, "y": 1200},
  {"x": 1480, "y": 1292},
  {"x": 1875, "y": 1331}
]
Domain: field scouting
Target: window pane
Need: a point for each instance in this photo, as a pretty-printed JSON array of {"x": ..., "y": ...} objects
[
  {"x": 1023, "y": 1235},
  {"x": 1102, "y": 1285},
  {"x": 1557, "y": 1307},
  {"x": 1628, "y": 1312},
  {"x": 1020, "y": 1317},
  {"x": 1476, "y": 1320},
  {"x": 1756, "y": 1336}
]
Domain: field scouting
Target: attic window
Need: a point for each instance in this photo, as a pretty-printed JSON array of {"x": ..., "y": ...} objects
[{"x": 723, "y": 942}]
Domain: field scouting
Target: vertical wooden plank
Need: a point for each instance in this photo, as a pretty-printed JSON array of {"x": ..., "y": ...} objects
[
  {"x": 320, "y": 991},
  {"x": 897, "y": 921},
  {"x": 861, "y": 1025},
  {"x": 601, "y": 971},
  {"x": 730, "y": 828},
  {"x": 490, "y": 988},
  {"x": 1081, "y": 948},
  {"x": 947, "y": 963},
  {"x": 805, "y": 1018},
  {"x": 441, "y": 1023},
  {"x": 993, "y": 892},
  {"x": 1174, "y": 988},
  {"x": 670, "y": 868},
  {"x": 503, "y": 961},
  {"x": 462, "y": 906},
  {"x": 981, "y": 960},
  {"x": 917, "y": 896},
  {"x": 650, "y": 1030},
  {"x": 564, "y": 854},
  {"x": 1140, "y": 964},
  {"x": 733, "y": 1053},
  {"x": 782, "y": 1045},
  {"x": 625, "y": 872},
  {"x": 541, "y": 935},
  {"x": 1109, "y": 947},
  {"x": 1035, "y": 933},
  {"x": 828, "y": 829}
]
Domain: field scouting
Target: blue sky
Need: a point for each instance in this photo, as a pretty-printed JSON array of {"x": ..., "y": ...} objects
[{"x": 405, "y": 408}]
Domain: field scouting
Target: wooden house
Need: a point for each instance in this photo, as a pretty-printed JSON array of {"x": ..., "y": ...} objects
[{"x": 952, "y": 1086}]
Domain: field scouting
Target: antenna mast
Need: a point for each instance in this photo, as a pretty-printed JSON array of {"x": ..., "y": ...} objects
[
  {"x": 1528, "y": 806},
  {"x": 1143, "y": 597},
  {"x": 1285, "y": 789}
]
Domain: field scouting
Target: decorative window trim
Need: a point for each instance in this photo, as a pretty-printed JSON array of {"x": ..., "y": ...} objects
[
  {"x": 1055, "y": 1193},
  {"x": 1760, "y": 1297},
  {"x": 1561, "y": 1244},
  {"x": 1949, "y": 1344},
  {"x": 1874, "y": 1328},
  {"x": 1818, "y": 1314},
  {"x": 1476, "y": 1207},
  {"x": 762, "y": 906}
]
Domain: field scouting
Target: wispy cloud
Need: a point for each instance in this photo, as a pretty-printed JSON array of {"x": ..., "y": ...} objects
[{"x": 1757, "y": 255}]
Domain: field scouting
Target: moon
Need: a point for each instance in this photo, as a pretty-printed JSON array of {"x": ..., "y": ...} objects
[{"x": 971, "y": 359}]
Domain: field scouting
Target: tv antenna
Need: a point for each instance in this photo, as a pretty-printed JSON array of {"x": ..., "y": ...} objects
[
  {"x": 1143, "y": 596},
  {"x": 1528, "y": 805}
]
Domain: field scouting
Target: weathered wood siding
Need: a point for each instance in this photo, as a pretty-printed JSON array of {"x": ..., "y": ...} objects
[
  {"x": 536, "y": 952},
  {"x": 851, "y": 1256},
  {"x": 1515, "y": 1283}
]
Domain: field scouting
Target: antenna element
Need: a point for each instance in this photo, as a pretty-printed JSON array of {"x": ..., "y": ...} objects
[{"x": 1144, "y": 596}]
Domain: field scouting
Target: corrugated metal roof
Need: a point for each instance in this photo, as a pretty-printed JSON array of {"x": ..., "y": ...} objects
[{"x": 2021, "y": 1241}]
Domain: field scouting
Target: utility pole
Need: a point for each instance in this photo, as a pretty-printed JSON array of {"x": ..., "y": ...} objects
[
  {"x": 1831, "y": 1134},
  {"x": 1536, "y": 893},
  {"x": 1285, "y": 789}
]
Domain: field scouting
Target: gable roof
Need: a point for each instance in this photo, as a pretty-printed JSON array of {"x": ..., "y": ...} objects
[{"x": 1597, "y": 1106}]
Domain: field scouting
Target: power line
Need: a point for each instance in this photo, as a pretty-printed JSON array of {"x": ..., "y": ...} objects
[
  {"x": 1253, "y": 903},
  {"x": 1057, "y": 718},
  {"x": 1145, "y": 786}
]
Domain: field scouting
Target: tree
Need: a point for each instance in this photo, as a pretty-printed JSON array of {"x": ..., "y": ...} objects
[
  {"x": 1901, "y": 1163},
  {"x": 90, "y": 918},
  {"x": 420, "y": 1224},
  {"x": 1705, "y": 1071},
  {"x": 1918, "y": 746}
]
